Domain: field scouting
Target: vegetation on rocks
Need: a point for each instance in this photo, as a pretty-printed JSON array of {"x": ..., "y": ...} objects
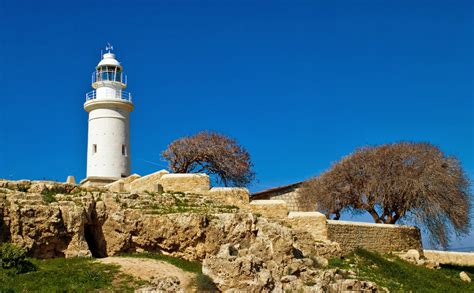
[
  {"x": 170, "y": 203},
  {"x": 400, "y": 276}
]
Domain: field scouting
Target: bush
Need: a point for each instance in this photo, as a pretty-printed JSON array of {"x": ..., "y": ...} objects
[{"x": 14, "y": 258}]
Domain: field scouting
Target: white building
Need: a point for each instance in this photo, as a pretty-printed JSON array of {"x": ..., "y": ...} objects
[{"x": 109, "y": 107}]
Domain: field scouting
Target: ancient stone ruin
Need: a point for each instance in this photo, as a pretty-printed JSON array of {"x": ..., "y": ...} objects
[{"x": 244, "y": 246}]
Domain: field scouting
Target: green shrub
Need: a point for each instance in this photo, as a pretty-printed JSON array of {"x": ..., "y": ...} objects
[
  {"x": 205, "y": 283},
  {"x": 14, "y": 258},
  {"x": 48, "y": 195}
]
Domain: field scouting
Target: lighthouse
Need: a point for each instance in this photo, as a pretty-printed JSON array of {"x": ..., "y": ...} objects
[{"x": 109, "y": 107}]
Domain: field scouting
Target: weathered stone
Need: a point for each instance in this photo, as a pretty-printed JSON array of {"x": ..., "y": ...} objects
[
  {"x": 412, "y": 255},
  {"x": 187, "y": 183},
  {"x": 353, "y": 285},
  {"x": 164, "y": 284},
  {"x": 239, "y": 250},
  {"x": 231, "y": 195},
  {"x": 276, "y": 209},
  {"x": 464, "y": 276},
  {"x": 312, "y": 222},
  {"x": 147, "y": 183},
  {"x": 122, "y": 185}
]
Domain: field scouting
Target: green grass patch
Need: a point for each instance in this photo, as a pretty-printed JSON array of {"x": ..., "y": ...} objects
[
  {"x": 185, "y": 265},
  {"x": 400, "y": 276},
  {"x": 73, "y": 274}
]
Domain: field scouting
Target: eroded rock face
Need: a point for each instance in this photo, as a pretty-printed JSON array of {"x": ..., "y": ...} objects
[{"x": 239, "y": 250}]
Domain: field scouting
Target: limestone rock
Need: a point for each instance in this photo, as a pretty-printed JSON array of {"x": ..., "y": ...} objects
[
  {"x": 188, "y": 183},
  {"x": 464, "y": 276},
  {"x": 231, "y": 195},
  {"x": 239, "y": 250},
  {"x": 312, "y": 222},
  {"x": 353, "y": 285},
  {"x": 275, "y": 209},
  {"x": 147, "y": 183},
  {"x": 161, "y": 285},
  {"x": 411, "y": 255},
  {"x": 122, "y": 185}
]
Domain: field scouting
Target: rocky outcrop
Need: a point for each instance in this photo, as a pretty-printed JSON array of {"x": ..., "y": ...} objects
[{"x": 239, "y": 250}]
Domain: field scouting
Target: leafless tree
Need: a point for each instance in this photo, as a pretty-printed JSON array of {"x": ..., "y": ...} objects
[
  {"x": 410, "y": 181},
  {"x": 214, "y": 154}
]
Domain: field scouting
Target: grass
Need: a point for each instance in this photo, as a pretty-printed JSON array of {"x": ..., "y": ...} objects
[
  {"x": 400, "y": 276},
  {"x": 73, "y": 274}
]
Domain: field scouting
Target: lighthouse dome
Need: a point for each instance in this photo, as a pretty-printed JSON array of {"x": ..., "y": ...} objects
[{"x": 109, "y": 59}]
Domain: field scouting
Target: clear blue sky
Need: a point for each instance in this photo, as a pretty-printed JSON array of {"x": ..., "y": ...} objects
[{"x": 298, "y": 83}]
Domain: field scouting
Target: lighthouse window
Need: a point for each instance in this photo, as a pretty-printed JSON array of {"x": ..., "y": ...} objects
[
  {"x": 124, "y": 150},
  {"x": 109, "y": 73},
  {"x": 94, "y": 147}
]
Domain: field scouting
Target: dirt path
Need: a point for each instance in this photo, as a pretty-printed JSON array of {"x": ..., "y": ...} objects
[{"x": 146, "y": 269}]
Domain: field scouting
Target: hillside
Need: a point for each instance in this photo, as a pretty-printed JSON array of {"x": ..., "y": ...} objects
[{"x": 227, "y": 246}]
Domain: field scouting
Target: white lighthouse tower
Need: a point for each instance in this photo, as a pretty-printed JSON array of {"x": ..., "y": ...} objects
[{"x": 109, "y": 107}]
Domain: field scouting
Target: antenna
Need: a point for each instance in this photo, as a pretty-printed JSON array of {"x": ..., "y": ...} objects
[{"x": 109, "y": 47}]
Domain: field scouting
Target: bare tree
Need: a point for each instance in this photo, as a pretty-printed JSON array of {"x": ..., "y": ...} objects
[
  {"x": 411, "y": 181},
  {"x": 214, "y": 154}
]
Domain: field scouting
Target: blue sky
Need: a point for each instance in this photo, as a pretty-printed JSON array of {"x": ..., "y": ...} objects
[{"x": 298, "y": 83}]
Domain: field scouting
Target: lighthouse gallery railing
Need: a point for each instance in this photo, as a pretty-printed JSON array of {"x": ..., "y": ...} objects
[{"x": 122, "y": 95}]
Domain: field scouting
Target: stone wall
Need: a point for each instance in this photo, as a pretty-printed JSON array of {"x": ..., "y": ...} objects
[
  {"x": 382, "y": 238},
  {"x": 450, "y": 257}
]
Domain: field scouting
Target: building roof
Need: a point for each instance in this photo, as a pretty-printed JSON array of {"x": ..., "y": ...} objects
[{"x": 262, "y": 193}]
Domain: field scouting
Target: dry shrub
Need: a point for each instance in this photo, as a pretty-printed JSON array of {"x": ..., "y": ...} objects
[{"x": 213, "y": 153}]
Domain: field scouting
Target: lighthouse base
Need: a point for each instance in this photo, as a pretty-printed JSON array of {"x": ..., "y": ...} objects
[{"x": 97, "y": 181}]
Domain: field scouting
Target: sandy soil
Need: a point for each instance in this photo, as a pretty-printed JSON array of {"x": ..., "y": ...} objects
[{"x": 146, "y": 269}]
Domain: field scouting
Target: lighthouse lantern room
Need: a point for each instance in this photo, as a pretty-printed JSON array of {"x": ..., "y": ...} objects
[{"x": 109, "y": 107}]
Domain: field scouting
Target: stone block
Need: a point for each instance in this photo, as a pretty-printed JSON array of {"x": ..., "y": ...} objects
[
  {"x": 147, "y": 183},
  {"x": 450, "y": 257},
  {"x": 312, "y": 222},
  {"x": 231, "y": 195},
  {"x": 187, "y": 183},
  {"x": 122, "y": 185},
  {"x": 71, "y": 180},
  {"x": 270, "y": 208}
]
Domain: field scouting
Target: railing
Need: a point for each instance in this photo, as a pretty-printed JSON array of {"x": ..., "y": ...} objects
[
  {"x": 98, "y": 76},
  {"x": 121, "y": 95}
]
